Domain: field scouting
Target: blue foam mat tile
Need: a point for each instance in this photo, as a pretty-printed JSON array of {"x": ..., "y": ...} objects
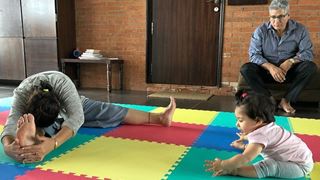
[
  {"x": 4, "y": 108},
  {"x": 228, "y": 119},
  {"x": 6, "y": 102},
  {"x": 225, "y": 119},
  {"x": 11, "y": 171},
  {"x": 283, "y": 122},
  {"x": 94, "y": 131},
  {"x": 220, "y": 138},
  {"x": 137, "y": 107}
]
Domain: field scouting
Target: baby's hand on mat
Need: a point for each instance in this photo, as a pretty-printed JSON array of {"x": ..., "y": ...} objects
[
  {"x": 242, "y": 136},
  {"x": 238, "y": 144},
  {"x": 215, "y": 167}
]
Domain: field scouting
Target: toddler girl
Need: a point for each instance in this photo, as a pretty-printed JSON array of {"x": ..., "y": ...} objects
[{"x": 285, "y": 155}]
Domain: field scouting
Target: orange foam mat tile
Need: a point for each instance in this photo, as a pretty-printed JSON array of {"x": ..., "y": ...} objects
[
  {"x": 117, "y": 158},
  {"x": 191, "y": 116}
]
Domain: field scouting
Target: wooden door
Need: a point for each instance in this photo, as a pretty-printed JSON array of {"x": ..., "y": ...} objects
[{"x": 184, "y": 41}]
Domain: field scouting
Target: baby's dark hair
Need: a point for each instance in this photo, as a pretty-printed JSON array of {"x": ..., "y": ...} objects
[
  {"x": 256, "y": 106},
  {"x": 44, "y": 105}
]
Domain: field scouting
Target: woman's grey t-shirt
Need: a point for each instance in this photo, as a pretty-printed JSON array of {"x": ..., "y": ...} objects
[{"x": 68, "y": 96}]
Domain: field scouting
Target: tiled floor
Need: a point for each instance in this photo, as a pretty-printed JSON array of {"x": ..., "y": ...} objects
[{"x": 218, "y": 103}]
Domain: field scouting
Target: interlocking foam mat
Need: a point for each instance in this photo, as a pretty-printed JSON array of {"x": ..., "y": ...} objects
[{"x": 149, "y": 152}]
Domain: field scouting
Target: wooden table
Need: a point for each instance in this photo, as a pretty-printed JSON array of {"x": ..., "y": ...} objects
[{"x": 107, "y": 61}]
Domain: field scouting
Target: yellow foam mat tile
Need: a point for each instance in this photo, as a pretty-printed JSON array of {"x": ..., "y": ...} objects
[
  {"x": 1, "y": 128},
  {"x": 191, "y": 116},
  {"x": 116, "y": 158},
  {"x": 305, "y": 126},
  {"x": 315, "y": 174}
]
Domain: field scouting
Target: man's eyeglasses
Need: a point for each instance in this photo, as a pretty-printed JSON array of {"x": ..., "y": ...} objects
[{"x": 280, "y": 17}]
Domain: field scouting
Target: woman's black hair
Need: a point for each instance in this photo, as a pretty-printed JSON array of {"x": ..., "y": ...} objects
[
  {"x": 44, "y": 105},
  {"x": 256, "y": 106}
]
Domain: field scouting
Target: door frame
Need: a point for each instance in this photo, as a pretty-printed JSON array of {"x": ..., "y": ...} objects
[{"x": 149, "y": 28}]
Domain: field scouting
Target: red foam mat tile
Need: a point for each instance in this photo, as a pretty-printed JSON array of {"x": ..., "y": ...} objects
[
  {"x": 313, "y": 142},
  {"x": 3, "y": 117},
  {"x": 178, "y": 133},
  {"x": 48, "y": 175}
]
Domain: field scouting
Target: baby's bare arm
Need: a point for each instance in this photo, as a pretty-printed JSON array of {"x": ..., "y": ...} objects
[{"x": 250, "y": 152}]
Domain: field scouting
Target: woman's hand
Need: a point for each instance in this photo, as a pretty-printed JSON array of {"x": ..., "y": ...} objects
[
  {"x": 36, "y": 153},
  {"x": 44, "y": 145},
  {"x": 14, "y": 151}
]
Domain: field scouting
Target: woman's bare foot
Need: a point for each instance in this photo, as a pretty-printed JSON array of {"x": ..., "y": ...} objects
[
  {"x": 26, "y": 130},
  {"x": 166, "y": 116},
  {"x": 285, "y": 105}
]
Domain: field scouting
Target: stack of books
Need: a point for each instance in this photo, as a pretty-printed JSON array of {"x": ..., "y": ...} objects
[{"x": 91, "y": 54}]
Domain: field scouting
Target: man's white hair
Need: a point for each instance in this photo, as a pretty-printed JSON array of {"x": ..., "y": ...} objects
[{"x": 279, "y": 4}]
